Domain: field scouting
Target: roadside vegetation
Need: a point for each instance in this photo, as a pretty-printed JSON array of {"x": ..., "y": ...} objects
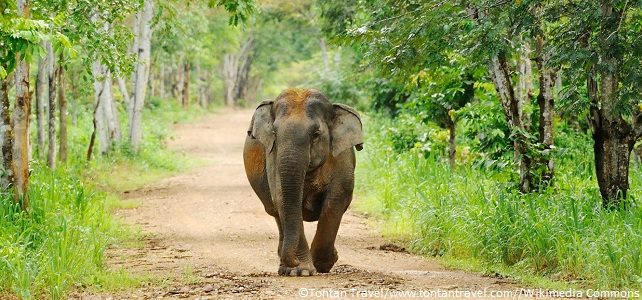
[
  {"x": 58, "y": 244},
  {"x": 473, "y": 214}
]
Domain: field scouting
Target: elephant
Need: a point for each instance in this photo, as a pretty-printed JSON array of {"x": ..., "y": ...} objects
[{"x": 300, "y": 162}]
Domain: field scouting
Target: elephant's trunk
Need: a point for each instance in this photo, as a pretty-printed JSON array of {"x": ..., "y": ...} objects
[{"x": 291, "y": 165}]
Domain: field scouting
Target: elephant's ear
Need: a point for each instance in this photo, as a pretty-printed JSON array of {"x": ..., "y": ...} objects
[
  {"x": 261, "y": 127},
  {"x": 346, "y": 129}
]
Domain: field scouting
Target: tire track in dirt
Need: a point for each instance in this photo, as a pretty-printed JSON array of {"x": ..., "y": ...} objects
[{"x": 208, "y": 237}]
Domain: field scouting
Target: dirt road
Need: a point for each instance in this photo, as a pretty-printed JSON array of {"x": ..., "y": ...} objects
[{"x": 209, "y": 238}]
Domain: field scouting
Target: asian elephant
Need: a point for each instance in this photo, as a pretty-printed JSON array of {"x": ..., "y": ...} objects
[{"x": 299, "y": 160}]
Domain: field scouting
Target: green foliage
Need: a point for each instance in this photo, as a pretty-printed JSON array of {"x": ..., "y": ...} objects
[
  {"x": 18, "y": 35},
  {"x": 467, "y": 213},
  {"x": 487, "y": 132},
  {"x": 59, "y": 242},
  {"x": 239, "y": 10}
]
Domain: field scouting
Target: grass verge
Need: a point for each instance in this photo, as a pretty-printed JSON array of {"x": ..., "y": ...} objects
[
  {"x": 474, "y": 218},
  {"x": 58, "y": 244}
]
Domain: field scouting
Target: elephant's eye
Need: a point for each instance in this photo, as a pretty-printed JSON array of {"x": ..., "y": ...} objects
[{"x": 316, "y": 134}]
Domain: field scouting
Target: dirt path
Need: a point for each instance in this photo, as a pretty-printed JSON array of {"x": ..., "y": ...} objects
[{"x": 208, "y": 236}]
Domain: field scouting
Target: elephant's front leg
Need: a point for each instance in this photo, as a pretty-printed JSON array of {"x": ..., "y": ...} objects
[
  {"x": 305, "y": 266},
  {"x": 324, "y": 254}
]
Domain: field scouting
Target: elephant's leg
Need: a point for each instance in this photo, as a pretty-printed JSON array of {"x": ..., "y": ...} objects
[
  {"x": 324, "y": 254},
  {"x": 278, "y": 224},
  {"x": 305, "y": 267}
]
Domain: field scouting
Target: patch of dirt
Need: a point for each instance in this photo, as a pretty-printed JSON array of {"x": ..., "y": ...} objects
[
  {"x": 208, "y": 237},
  {"x": 389, "y": 247}
]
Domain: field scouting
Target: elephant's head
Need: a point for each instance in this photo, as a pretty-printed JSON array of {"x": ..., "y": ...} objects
[{"x": 300, "y": 130}]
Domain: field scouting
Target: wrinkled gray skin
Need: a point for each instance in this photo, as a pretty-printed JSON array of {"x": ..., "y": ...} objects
[{"x": 300, "y": 161}]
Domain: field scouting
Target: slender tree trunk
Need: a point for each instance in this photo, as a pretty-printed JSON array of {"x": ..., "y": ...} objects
[
  {"x": 100, "y": 77},
  {"x": 236, "y": 72},
  {"x": 545, "y": 100},
  {"x": 111, "y": 112},
  {"x": 7, "y": 139},
  {"x": 524, "y": 90},
  {"x": 244, "y": 64},
  {"x": 229, "y": 76},
  {"x": 185, "y": 95},
  {"x": 501, "y": 77},
  {"x": 62, "y": 107},
  {"x": 20, "y": 123},
  {"x": 201, "y": 84},
  {"x": 41, "y": 92},
  {"x": 75, "y": 95},
  {"x": 51, "y": 129},
  {"x": 136, "y": 118},
  {"x": 92, "y": 139},
  {"x": 122, "y": 86},
  {"x": 134, "y": 49}
]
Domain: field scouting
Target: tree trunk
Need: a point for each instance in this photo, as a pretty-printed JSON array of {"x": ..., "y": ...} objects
[
  {"x": 229, "y": 78},
  {"x": 20, "y": 124},
  {"x": 524, "y": 90},
  {"x": 41, "y": 92},
  {"x": 75, "y": 95},
  {"x": 545, "y": 101},
  {"x": 122, "y": 86},
  {"x": 92, "y": 139},
  {"x": 62, "y": 108},
  {"x": 134, "y": 49},
  {"x": 161, "y": 81},
  {"x": 51, "y": 129},
  {"x": 500, "y": 75},
  {"x": 236, "y": 72},
  {"x": 7, "y": 139},
  {"x": 178, "y": 84},
  {"x": 100, "y": 77},
  {"x": 613, "y": 139},
  {"x": 136, "y": 117},
  {"x": 203, "y": 86},
  {"x": 612, "y": 145},
  {"x": 185, "y": 94},
  {"x": 110, "y": 112},
  {"x": 244, "y": 64}
]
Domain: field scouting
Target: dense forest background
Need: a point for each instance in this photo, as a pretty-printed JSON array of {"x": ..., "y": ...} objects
[{"x": 501, "y": 134}]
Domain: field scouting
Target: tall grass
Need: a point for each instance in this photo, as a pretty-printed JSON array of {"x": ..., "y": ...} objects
[
  {"x": 468, "y": 213},
  {"x": 58, "y": 244}
]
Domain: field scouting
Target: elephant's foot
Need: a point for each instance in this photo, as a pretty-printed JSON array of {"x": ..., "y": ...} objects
[
  {"x": 324, "y": 260},
  {"x": 303, "y": 269}
]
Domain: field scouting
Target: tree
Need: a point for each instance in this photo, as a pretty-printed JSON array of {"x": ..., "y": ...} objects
[
  {"x": 62, "y": 104},
  {"x": 141, "y": 74},
  {"x": 599, "y": 50},
  {"x": 438, "y": 94},
  {"x": 401, "y": 37},
  {"x": 41, "y": 91},
  {"x": 51, "y": 82},
  {"x": 20, "y": 121}
]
